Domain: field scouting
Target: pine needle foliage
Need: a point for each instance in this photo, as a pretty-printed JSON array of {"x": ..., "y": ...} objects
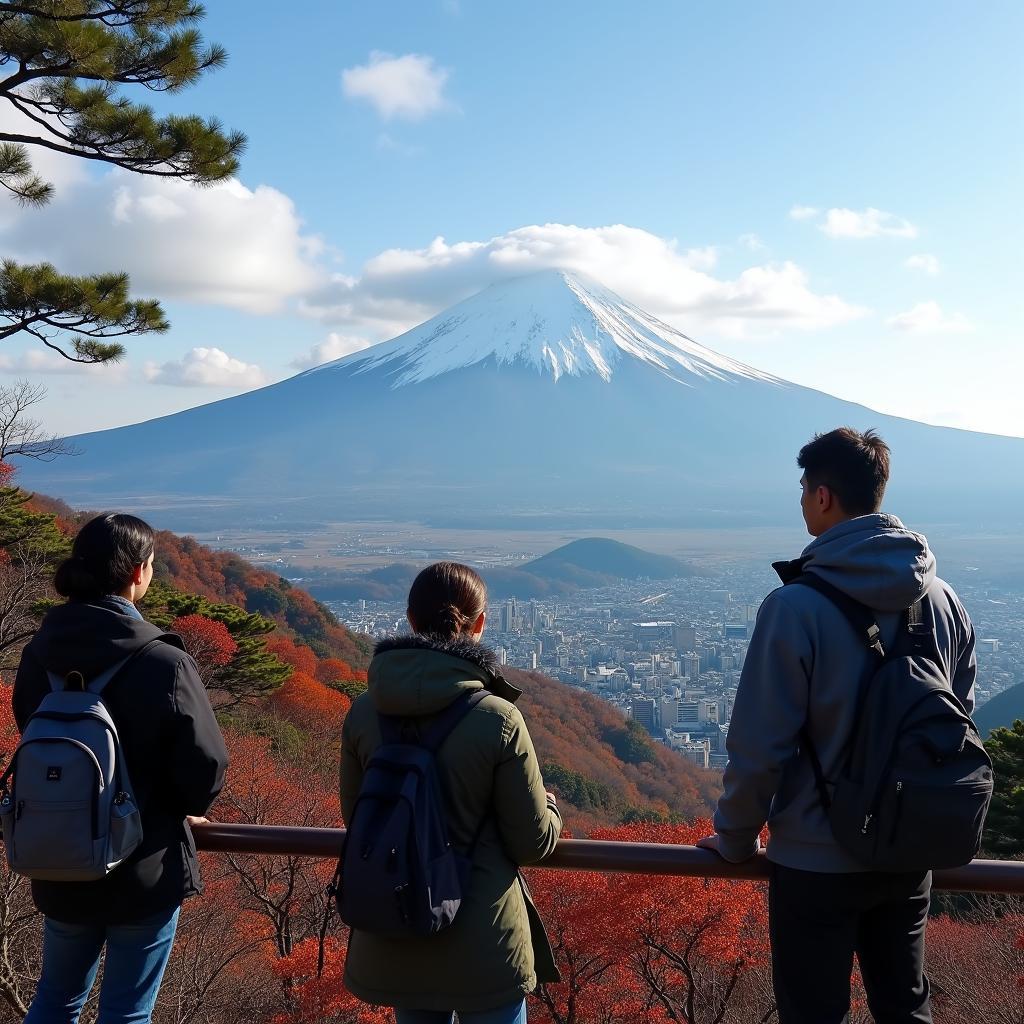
[
  {"x": 38, "y": 300},
  {"x": 69, "y": 64}
]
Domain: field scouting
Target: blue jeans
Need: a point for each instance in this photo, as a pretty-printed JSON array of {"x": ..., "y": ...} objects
[
  {"x": 515, "y": 1014},
  {"x": 136, "y": 957}
]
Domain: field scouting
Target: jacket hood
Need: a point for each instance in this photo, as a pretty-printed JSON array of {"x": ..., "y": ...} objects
[
  {"x": 874, "y": 559},
  {"x": 422, "y": 674},
  {"x": 90, "y": 637}
]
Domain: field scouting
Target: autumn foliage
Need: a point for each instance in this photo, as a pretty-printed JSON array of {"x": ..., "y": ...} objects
[{"x": 208, "y": 641}]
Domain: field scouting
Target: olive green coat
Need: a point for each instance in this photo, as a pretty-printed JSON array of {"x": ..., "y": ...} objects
[{"x": 495, "y": 952}]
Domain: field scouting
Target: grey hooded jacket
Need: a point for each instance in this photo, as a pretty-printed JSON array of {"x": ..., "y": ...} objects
[{"x": 804, "y": 667}]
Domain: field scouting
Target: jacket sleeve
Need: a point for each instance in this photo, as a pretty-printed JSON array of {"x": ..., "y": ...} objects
[
  {"x": 769, "y": 712},
  {"x": 30, "y": 686},
  {"x": 528, "y": 821},
  {"x": 966, "y": 671},
  {"x": 351, "y": 771},
  {"x": 199, "y": 758}
]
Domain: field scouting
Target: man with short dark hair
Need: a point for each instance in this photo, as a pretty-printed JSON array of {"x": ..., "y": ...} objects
[{"x": 803, "y": 671}]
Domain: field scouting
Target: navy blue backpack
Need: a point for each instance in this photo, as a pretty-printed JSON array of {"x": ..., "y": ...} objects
[{"x": 399, "y": 874}]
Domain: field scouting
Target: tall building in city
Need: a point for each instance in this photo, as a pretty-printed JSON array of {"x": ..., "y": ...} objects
[
  {"x": 707, "y": 711},
  {"x": 688, "y": 713},
  {"x": 684, "y": 638},
  {"x": 669, "y": 710},
  {"x": 502, "y": 656},
  {"x": 656, "y": 630},
  {"x": 508, "y": 616},
  {"x": 644, "y": 711},
  {"x": 691, "y": 667}
]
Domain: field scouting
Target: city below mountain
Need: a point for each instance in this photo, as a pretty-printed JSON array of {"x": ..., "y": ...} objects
[
  {"x": 545, "y": 400},
  {"x": 590, "y": 562}
]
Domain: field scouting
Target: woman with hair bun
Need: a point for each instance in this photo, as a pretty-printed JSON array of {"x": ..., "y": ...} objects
[
  {"x": 175, "y": 758},
  {"x": 495, "y": 951}
]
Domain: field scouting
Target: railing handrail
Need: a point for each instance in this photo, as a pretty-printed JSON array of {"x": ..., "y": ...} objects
[{"x": 995, "y": 876}]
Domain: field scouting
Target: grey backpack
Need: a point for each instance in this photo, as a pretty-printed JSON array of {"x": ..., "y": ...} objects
[
  {"x": 66, "y": 803},
  {"x": 914, "y": 781}
]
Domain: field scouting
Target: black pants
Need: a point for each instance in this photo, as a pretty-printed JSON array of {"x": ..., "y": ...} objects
[{"x": 818, "y": 921}]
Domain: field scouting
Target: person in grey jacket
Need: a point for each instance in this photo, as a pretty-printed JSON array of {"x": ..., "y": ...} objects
[{"x": 803, "y": 668}]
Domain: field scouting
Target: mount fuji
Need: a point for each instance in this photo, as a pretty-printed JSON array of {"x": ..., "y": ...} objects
[{"x": 542, "y": 399}]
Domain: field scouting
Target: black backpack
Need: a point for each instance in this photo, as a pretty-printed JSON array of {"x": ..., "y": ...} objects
[
  {"x": 914, "y": 779},
  {"x": 398, "y": 873}
]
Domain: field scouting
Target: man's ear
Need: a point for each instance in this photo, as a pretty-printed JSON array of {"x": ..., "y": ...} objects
[{"x": 139, "y": 574}]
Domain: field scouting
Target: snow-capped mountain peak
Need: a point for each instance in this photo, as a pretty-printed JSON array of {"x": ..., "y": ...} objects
[{"x": 555, "y": 322}]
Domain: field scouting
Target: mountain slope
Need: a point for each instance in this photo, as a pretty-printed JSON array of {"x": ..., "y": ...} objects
[
  {"x": 605, "y": 558},
  {"x": 1001, "y": 711},
  {"x": 591, "y": 562},
  {"x": 539, "y": 401},
  {"x": 552, "y": 322}
]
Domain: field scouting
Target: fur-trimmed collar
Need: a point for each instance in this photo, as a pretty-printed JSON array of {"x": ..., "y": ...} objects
[{"x": 456, "y": 647}]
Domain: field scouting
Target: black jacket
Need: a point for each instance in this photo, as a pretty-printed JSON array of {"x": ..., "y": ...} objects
[{"x": 172, "y": 747}]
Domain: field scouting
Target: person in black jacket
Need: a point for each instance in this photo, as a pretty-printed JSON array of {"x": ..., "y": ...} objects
[{"x": 176, "y": 759}]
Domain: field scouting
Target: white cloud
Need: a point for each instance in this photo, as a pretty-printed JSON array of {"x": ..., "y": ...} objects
[
  {"x": 207, "y": 368},
  {"x": 751, "y": 242},
  {"x": 928, "y": 318},
  {"x": 868, "y": 223},
  {"x": 336, "y": 346},
  {"x": 803, "y": 212},
  {"x": 223, "y": 245},
  {"x": 409, "y": 87},
  {"x": 402, "y": 287},
  {"x": 924, "y": 261},
  {"x": 45, "y": 361}
]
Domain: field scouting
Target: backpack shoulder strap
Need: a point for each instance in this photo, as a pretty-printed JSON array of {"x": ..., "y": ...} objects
[
  {"x": 445, "y": 722},
  {"x": 864, "y": 624},
  {"x": 860, "y": 617}
]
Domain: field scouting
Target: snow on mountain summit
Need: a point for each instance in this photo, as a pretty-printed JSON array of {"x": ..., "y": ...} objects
[{"x": 554, "y": 322}]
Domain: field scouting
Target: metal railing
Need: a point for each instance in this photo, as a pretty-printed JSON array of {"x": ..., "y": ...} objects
[{"x": 995, "y": 876}]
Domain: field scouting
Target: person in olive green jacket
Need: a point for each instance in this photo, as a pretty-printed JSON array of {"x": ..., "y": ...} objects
[{"x": 495, "y": 952}]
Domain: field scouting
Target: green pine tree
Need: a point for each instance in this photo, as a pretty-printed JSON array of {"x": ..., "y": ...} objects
[
  {"x": 1004, "y": 827},
  {"x": 71, "y": 60},
  {"x": 253, "y": 671}
]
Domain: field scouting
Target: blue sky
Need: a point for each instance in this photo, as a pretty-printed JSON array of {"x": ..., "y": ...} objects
[{"x": 829, "y": 193}]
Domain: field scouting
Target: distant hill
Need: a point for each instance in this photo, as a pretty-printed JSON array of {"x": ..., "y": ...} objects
[
  {"x": 595, "y": 561},
  {"x": 591, "y": 562},
  {"x": 1001, "y": 710}
]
